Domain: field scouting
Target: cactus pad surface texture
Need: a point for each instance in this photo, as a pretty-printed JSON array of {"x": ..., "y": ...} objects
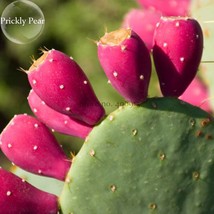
[{"x": 153, "y": 158}]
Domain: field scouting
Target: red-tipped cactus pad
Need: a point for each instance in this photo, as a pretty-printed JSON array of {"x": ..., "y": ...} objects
[
  {"x": 18, "y": 196},
  {"x": 61, "y": 83},
  {"x": 177, "y": 51},
  {"x": 126, "y": 62},
  {"x": 29, "y": 144},
  {"x": 55, "y": 120}
]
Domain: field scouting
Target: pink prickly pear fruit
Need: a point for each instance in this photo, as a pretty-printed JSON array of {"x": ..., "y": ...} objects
[
  {"x": 18, "y": 196},
  {"x": 197, "y": 94},
  {"x": 61, "y": 83},
  {"x": 55, "y": 120},
  {"x": 126, "y": 62},
  {"x": 168, "y": 7},
  {"x": 29, "y": 144},
  {"x": 177, "y": 51},
  {"x": 142, "y": 22}
]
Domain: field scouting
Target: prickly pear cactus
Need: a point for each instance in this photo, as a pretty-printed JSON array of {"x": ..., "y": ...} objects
[
  {"x": 153, "y": 158},
  {"x": 151, "y": 155}
]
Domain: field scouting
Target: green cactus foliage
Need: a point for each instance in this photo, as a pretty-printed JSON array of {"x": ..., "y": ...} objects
[
  {"x": 153, "y": 158},
  {"x": 46, "y": 184}
]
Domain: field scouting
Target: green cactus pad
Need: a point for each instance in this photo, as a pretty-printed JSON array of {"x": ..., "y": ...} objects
[
  {"x": 46, "y": 184},
  {"x": 153, "y": 158}
]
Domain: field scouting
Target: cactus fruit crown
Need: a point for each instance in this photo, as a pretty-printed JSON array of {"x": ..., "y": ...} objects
[
  {"x": 116, "y": 37},
  {"x": 39, "y": 61}
]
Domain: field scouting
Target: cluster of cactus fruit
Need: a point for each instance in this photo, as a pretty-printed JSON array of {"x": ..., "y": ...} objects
[{"x": 152, "y": 155}]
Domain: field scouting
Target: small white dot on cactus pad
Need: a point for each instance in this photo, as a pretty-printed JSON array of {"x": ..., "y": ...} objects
[
  {"x": 35, "y": 147},
  {"x": 165, "y": 44},
  {"x": 115, "y": 73},
  {"x": 123, "y": 47},
  {"x": 36, "y": 125},
  {"x": 177, "y": 24},
  {"x": 34, "y": 82},
  {"x": 34, "y": 110},
  {"x": 182, "y": 59},
  {"x": 65, "y": 122},
  {"x": 51, "y": 60},
  {"x": 67, "y": 108},
  {"x": 111, "y": 117},
  {"x": 113, "y": 188},
  {"x": 43, "y": 102},
  {"x": 134, "y": 132},
  {"x": 9, "y": 145},
  {"x": 40, "y": 171},
  {"x": 8, "y": 193},
  {"x": 86, "y": 139},
  {"x": 162, "y": 156},
  {"x": 61, "y": 86},
  {"x": 85, "y": 82},
  {"x": 67, "y": 180},
  {"x": 141, "y": 77},
  {"x": 152, "y": 206},
  {"x": 92, "y": 153}
]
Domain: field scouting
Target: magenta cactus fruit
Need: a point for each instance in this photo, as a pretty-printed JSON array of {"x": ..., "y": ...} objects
[
  {"x": 197, "y": 94},
  {"x": 168, "y": 7},
  {"x": 126, "y": 61},
  {"x": 18, "y": 196},
  {"x": 142, "y": 22},
  {"x": 177, "y": 51},
  {"x": 55, "y": 120},
  {"x": 29, "y": 144},
  {"x": 60, "y": 83}
]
